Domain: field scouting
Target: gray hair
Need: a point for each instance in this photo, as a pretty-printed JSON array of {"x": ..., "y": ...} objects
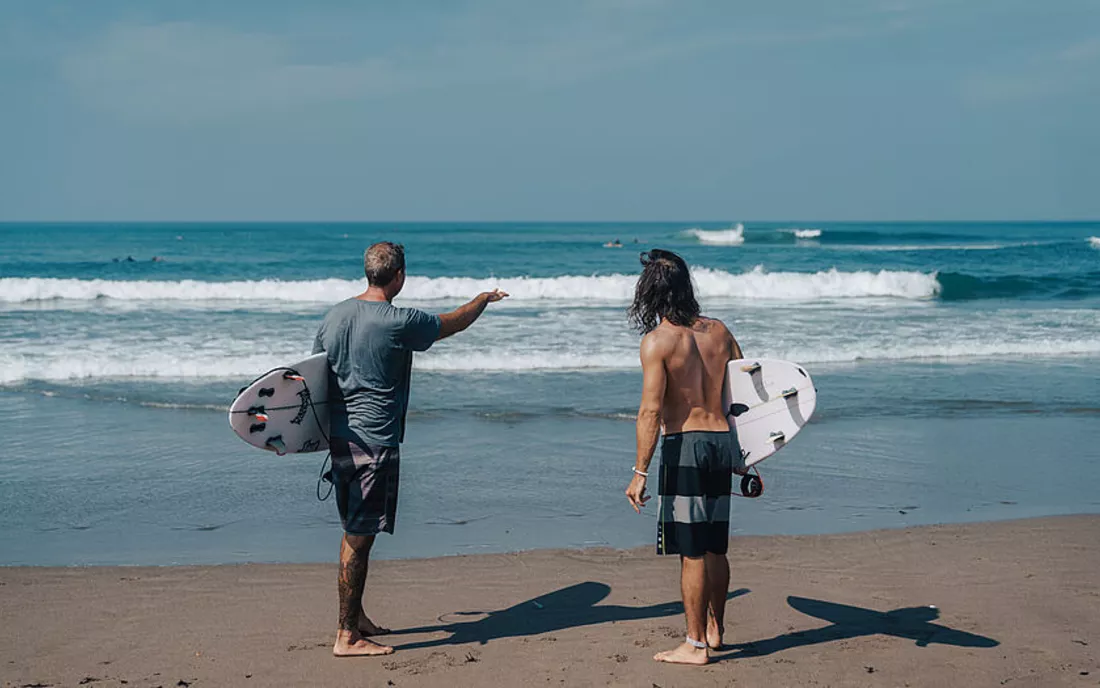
[{"x": 382, "y": 262}]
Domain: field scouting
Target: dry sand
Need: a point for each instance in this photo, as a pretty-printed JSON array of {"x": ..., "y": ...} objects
[{"x": 1018, "y": 605}]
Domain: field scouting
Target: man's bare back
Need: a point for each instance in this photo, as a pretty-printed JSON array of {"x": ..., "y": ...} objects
[{"x": 694, "y": 359}]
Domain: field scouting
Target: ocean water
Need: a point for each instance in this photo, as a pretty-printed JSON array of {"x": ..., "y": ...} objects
[{"x": 955, "y": 363}]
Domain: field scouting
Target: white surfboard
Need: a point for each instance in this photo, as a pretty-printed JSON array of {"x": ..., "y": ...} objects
[
  {"x": 285, "y": 410},
  {"x": 768, "y": 402}
]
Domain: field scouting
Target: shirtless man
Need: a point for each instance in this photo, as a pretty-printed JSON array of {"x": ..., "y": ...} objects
[
  {"x": 684, "y": 357},
  {"x": 370, "y": 343}
]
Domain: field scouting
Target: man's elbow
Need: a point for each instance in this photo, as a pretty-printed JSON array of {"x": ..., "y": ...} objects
[
  {"x": 449, "y": 325},
  {"x": 651, "y": 414}
]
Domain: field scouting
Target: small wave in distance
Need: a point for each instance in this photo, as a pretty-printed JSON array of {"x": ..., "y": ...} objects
[
  {"x": 734, "y": 236},
  {"x": 803, "y": 233}
]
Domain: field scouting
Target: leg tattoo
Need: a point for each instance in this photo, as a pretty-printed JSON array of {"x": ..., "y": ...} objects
[{"x": 352, "y": 580}]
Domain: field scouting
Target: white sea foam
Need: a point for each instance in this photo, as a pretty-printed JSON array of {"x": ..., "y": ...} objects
[
  {"x": 734, "y": 236},
  {"x": 29, "y": 289},
  {"x": 803, "y": 233},
  {"x": 78, "y": 366},
  {"x": 526, "y": 361},
  {"x": 901, "y": 351},
  {"x": 128, "y": 364},
  {"x": 756, "y": 284},
  {"x": 1094, "y": 242}
]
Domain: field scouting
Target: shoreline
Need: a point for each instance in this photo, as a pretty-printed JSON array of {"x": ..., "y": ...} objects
[
  {"x": 1015, "y": 601},
  {"x": 377, "y": 558}
]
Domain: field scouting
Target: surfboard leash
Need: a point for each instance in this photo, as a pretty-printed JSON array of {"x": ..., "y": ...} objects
[{"x": 752, "y": 484}]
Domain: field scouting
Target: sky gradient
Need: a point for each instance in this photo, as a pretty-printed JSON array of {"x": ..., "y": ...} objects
[{"x": 575, "y": 110}]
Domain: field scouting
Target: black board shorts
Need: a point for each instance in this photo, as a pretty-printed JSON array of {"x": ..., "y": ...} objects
[
  {"x": 693, "y": 492},
  {"x": 365, "y": 478}
]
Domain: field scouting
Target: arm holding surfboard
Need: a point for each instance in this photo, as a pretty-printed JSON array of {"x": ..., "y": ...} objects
[{"x": 465, "y": 315}]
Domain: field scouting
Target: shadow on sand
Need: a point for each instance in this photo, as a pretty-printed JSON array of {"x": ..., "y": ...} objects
[
  {"x": 571, "y": 607},
  {"x": 912, "y": 623}
]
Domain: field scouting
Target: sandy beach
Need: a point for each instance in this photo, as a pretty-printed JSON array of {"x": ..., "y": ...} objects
[{"x": 1016, "y": 603}]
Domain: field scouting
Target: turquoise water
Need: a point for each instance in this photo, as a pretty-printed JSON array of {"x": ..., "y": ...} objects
[{"x": 955, "y": 364}]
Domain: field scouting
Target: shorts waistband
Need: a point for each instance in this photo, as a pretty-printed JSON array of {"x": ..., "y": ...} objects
[{"x": 685, "y": 433}]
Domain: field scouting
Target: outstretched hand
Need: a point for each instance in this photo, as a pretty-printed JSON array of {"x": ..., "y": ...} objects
[
  {"x": 635, "y": 493},
  {"x": 495, "y": 295}
]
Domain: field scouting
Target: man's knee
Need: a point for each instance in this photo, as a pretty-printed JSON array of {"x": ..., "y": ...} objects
[
  {"x": 360, "y": 543},
  {"x": 716, "y": 558},
  {"x": 693, "y": 562}
]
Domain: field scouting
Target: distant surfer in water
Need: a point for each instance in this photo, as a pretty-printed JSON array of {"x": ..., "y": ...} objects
[
  {"x": 684, "y": 357},
  {"x": 370, "y": 343}
]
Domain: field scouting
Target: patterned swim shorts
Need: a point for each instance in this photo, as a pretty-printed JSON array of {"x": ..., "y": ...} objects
[
  {"x": 694, "y": 492},
  {"x": 365, "y": 479}
]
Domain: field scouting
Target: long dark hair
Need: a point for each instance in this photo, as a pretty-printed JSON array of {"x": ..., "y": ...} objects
[{"x": 664, "y": 292}]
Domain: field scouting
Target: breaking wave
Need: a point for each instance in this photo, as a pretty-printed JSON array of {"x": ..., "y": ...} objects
[
  {"x": 756, "y": 284},
  {"x": 803, "y": 233},
  {"x": 734, "y": 236},
  {"x": 712, "y": 284}
]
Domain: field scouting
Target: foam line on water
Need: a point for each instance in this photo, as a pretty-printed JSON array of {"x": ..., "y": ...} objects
[
  {"x": 76, "y": 366},
  {"x": 713, "y": 284}
]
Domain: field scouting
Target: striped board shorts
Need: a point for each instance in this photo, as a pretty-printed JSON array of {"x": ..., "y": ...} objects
[
  {"x": 693, "y": 494},
  {"x": 365, "y": 479}
]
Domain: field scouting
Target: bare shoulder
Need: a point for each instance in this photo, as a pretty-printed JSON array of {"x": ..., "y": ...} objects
[
  {"x": 711, "y": 326},
  {"x": 658, "y": 342}
]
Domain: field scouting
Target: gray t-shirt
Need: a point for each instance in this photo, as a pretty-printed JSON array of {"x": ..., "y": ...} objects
[{"x": 369, "y": 346}]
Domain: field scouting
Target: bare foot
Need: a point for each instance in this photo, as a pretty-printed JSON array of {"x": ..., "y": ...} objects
[
  {"x": 352, "y": 644},
  {"x": 714, "y": 634},
  {"x": 685, "y": 654},
  {"x": 369, "y": 628}
]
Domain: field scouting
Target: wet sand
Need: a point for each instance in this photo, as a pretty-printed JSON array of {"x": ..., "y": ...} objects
[{"x": 1016, "y": 603}]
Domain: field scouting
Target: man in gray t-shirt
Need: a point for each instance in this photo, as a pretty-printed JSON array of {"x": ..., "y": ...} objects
[{"x": 370, "y": 343}]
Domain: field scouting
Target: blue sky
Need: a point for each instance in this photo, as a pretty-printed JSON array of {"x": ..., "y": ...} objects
[{"x": 574, "y": 109}]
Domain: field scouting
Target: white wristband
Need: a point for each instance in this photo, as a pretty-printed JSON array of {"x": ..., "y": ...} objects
[{"x": 641, "y": 473}]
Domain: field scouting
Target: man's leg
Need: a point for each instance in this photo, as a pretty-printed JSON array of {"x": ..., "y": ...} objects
[
  {"x": 718, "y": 584},
  {"x": 693, "y": 589},
  {"x": 354, "y": 557},
  {"x": 367, "y": 627}
]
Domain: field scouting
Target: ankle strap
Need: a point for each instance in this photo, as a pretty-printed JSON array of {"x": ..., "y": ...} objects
[{"x": 695, "y": 643}]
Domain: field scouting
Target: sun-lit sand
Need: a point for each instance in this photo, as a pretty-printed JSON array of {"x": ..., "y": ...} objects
[{"x": 1012, "y": 603}]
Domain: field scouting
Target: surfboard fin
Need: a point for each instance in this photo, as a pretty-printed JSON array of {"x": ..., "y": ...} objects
[
  {"x": 276, "y": 445},
  {"x": 788, "y": 393},
  {"x": 750, "y": 369},
  {"x": 288, "y": 375},
  {"x": 777, "y": 437},
  {"x": 737, "y": 409}
]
